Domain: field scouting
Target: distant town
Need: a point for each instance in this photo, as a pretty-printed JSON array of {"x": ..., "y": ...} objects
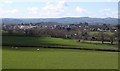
[{"x": 79, "y": 31}]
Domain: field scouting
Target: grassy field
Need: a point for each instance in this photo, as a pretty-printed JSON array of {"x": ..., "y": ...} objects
[
  {"x": 37, "y": 41},
  {"x": 93, "y": 33},
  {"x": 46, "y": 58},
  {"x": 0, "y": 57},
  {"x": 51, "y": 58}
]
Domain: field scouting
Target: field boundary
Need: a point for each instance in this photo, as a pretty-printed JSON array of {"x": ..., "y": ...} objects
[{"x": 67, "y": 47}]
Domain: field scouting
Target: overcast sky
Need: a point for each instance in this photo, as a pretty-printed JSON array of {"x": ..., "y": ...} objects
[{"x": 58, "y": 8}]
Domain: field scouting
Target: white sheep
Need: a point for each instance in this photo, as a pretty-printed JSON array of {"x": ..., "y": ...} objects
[{"x": 38, "y": 49}]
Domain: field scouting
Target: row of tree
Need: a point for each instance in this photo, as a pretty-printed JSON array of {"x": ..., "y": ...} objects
[{"x": 73, "y": 34}]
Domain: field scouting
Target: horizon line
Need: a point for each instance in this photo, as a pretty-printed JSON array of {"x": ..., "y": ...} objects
[{"x": 55, "y": 17}]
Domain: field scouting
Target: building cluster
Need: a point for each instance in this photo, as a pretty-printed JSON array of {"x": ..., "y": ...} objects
[{"x": 82, "y": 27}]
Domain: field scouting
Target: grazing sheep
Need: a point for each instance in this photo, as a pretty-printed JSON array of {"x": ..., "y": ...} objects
[
  {"x": 38, "y": 49},
  {"x": 16, "y": 47}
]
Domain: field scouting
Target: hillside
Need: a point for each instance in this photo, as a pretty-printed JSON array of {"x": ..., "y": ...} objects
[{"x": 65, "y": 20}]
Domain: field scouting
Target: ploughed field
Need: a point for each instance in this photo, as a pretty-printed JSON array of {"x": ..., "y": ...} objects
[{"x": 51, "y": 58}]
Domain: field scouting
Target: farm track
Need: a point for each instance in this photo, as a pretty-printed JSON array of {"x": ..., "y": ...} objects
[{"x": 67, "y": 47}]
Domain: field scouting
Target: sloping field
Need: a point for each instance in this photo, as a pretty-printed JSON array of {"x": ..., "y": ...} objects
[
  {"x": 38, "y": 41},
  {"x": 49, "y": 58}
]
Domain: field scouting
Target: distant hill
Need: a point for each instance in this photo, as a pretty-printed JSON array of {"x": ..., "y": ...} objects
[{"x": 65, "y": 20}]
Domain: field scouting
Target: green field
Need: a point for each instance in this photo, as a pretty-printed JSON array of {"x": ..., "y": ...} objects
[
  {"x": 37, "y": 41},
  {"x": 54, "y": 58},
  {"x": 49, "y": 58},
  {"x": 0, "y": 57}
]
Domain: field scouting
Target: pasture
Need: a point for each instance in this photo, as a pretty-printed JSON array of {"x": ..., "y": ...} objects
[
  {"x": 0, "y": 57},
  {"x": 38, "y": 41},
  {"x": 51, "y": 58}
]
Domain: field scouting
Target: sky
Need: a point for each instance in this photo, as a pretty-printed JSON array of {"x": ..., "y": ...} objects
[{"x": 58, "y": 8}]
